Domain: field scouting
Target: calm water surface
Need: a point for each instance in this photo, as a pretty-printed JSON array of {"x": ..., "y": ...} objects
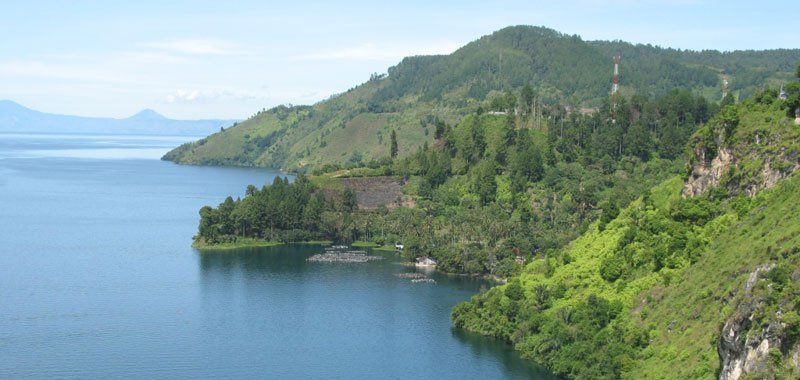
[{"x": 98, "y": 280}]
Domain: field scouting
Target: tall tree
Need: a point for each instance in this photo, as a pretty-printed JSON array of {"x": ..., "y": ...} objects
[
  {"x": 526, "y": 96},
  {"x": 637, "y": 142},
  {"x": 439, "y": 131},
  {"x": 349, "y": 200},
  {"x": 393, "y": 145},
  {"x": 526, "y": 164},
  {"x": 727, "y": 100},
  {"x": 483, "y": 183}
]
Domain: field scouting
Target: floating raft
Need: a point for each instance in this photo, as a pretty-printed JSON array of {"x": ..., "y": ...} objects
[
  {"x": 416, "y": 278},
  {"x": 423, "y": 280},
  {"x": 343, "y": 257},
  {"x": 412, "y": 275}
]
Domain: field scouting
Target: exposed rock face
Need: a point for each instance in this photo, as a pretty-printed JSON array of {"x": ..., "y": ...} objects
[
  {"x": 374, "y": 192},
  {"x": 769, "y": 178},
  {"x": 739, "y": 352},
  {"x": 707, "y": 173}
]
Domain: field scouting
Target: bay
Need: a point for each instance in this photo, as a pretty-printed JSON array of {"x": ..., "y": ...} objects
[{"x": 98, "y": 280}]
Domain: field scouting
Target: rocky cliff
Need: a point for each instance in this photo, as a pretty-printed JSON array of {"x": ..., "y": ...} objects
[
  {"x": 742, "y": 353},
  {"x": 744, "y": 150}
]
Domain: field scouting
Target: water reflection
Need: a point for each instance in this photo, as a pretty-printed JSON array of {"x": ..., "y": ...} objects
[
  {"x": 290, "y": 259},
  {"x": 363, "y": 315},
  {"x": 481, "y": 345}
]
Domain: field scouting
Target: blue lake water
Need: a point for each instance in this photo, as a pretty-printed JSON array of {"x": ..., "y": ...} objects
[{"x": 98, "y": 280}]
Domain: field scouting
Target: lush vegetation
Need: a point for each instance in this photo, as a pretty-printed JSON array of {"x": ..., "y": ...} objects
[
  {"x": 491, "y": 192},
  {"x": 353, "y": 128},
  {"x": 611, "y": 271},
  {"x": 759, "y": 135},
  {"x": 282, "y": 212},
  {"x": 646, "y": 292}
]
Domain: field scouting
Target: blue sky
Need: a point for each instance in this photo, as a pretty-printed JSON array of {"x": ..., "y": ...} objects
[{"x": 228, "y": 59}]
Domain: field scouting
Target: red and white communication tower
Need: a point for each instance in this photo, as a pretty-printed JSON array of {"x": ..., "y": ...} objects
[{"x": 615, "y": 86}]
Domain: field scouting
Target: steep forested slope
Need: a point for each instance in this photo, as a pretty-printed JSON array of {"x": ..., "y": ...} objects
[
  {"x": 700, "y": 286},
  {"x": 354, "y": 127}
]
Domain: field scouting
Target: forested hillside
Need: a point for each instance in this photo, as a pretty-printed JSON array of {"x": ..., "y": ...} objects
[
  {"x": 701, "y": 286},
  {"x": 353, "y": 128},
  {"x": 655, "y": 237},
  {"x": 490, "y": 194}
]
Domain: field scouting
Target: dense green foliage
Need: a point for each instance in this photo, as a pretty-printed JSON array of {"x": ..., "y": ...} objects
[
  {"x": 612, "y": 273},
  {"x": 492, "y": 194},
  {"x": 572, "y": 315},
  {"x": 353, "y": 128},
  {"x": 645, "y": 293},
  {"x": 282, "y": 212}
]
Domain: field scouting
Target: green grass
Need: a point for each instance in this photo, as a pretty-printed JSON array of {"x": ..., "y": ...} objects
[
  {"x": 327, "y": 182},
  {"x": 312, "y": 242},
  {"x": 239, "y": 243},
  {"x": 385, "y": 248},
  {"x": 251, "y": 243},
  {"x": 696, "y": 300},
  {"x": 374, "y": 246},
  {"x": 364, "y": 244},
  {"x": 681, "y": 310}
]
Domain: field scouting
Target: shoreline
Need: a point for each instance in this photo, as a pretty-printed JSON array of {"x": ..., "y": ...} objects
[
  {"x": 251, "y": 243},
  {"x": 260, "y": 243}
]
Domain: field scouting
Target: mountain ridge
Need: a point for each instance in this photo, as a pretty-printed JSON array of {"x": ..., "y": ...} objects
[{"x": 353, "y": 127}]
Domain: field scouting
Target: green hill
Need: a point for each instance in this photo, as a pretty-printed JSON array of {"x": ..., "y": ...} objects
[
  {"x": 353, "y": 128},
  {"x": 619, "y": 263},
  {"x": 488, "y": 194},
  {"x": 675, "y": 287}
]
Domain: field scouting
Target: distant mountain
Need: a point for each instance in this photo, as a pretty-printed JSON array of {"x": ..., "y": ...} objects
[
  {"x": 147, "y": 114},
  {"x": 17, "y": 118},
  {"x": 356, "y": 125}
]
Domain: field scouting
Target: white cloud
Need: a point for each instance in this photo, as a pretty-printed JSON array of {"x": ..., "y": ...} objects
[
  {"x": 373, "y": 52},
  {"x": 188, "y": 96},
  {"x": 196, "y": 46}
]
